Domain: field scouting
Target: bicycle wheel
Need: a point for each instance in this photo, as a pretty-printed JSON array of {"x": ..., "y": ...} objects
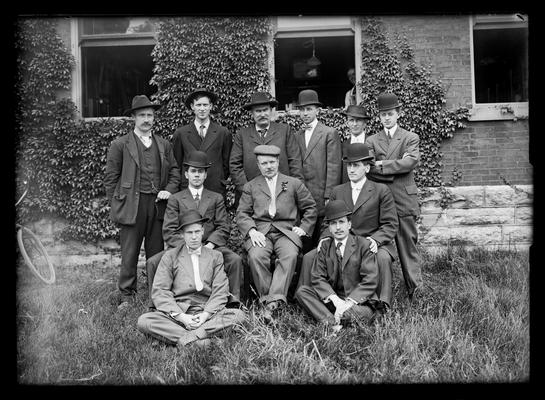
[{"x": 35, "y": 255}]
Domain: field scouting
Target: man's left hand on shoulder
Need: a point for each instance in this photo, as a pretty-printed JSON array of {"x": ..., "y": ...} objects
[{"x": 298, "y": 231}]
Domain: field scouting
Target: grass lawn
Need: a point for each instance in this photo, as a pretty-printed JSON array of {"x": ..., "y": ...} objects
[{"x": 471, "y": 326}]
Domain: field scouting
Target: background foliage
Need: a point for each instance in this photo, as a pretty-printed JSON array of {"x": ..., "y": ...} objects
[{"x": 64, "y": 158}]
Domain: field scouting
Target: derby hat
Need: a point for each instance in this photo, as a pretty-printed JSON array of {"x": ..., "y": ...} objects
[
  {"x": 189, "y": 99},
  {"x": 267, "y": 150},
  {"x": 191, "y": 217},
  {"x": 197, "y": 159},
  {"x": 260, "y": 98},
  {"x": 356, "y": 112},
  {"x": 141, "y": 101},
  {"x": 308, "y": 97},
  {"x": 387, "y": 101},
  {"x": 357, "y": 152},
  {"x": 336, "y": 209}
]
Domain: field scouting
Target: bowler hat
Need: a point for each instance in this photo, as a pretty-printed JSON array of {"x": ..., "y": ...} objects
[
  {"x": 260, "y": 98},
  {"x": 357, "y": 152},
  {"x": 189, "y": 217},
  {"x": 308, "y": 97},
  {"x": 141, "y": 101},
  {"x": 267, "y": 150},
  {"x": 197, "y": 159},
  {"x": 356, "y": 112},
  {"x": 387, "y": 101},
  {"x": 336, "y": 209},
  {"x": 201, "y": 91}
]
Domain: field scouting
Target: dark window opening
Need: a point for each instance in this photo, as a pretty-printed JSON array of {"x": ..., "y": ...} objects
[
  {"x": 501, "y": 65},
  {"x": 112, "y": 76},
  {"x": 294, "y": 73}
]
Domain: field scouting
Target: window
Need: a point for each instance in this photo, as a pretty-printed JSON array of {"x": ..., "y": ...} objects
[
  {"x": 313, "y": 53},
  {"x": 500, "y": 66},
  {"x": 116, "y": 63}
]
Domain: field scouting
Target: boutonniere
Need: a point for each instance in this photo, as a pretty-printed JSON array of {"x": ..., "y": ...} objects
[{"x": 284, "y": 186}]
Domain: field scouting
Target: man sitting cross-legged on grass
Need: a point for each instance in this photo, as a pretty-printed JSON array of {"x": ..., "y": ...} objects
[
  {"x": 344, "y": 276},
  {"x": 190, "y": 291}
]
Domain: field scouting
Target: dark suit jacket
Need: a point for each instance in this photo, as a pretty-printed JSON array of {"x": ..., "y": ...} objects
[
  {"x": 359, "y": 270},
  {"x": 376, "y": 178},
  {"x": 400, "y": 158},
  {"x": 243, "y": 163},
  {"x": 216, "y": 144},
  {"x": 211, "y": 205},
  {"x": 174, "y": 282},
  {"x": 294, "y": 204},
  {"x": 122, "y": 176},
  {"x": 374, "y": 213},
  {"x": 321, "y": 162}
]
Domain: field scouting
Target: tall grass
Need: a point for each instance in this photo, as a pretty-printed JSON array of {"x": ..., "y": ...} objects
[{"x": 471, "y": 325}]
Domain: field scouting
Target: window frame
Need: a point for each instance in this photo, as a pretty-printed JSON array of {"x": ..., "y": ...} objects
[{"x": 493, "y": 111}]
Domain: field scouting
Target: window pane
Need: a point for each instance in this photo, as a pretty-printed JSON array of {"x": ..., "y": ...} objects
[
  {"x": 99, "y": 26},
  {"x": 501, "y": 65},
  {"x": 112, "y": 76}
]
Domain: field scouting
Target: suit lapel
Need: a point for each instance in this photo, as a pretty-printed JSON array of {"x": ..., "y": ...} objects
[
  {"x": 349, "y": 250},
  {"x": 254, "y": 136},
  {"x": 204, "y": 202},
  {"x": 395, "y": 142},
  {"x": 270, "y": 133},
  {"x": 346, "y": 194},
  {"x": 193, "y": 136},
  {"x": 187, "y": 199},
  {"x": 383, "y": 141},
  {"x": 314, "y": 138},
  {"x": 133, "y": 149},
  {"x": 210, "y": 137},
  {"x": 301, "y": 141},
  {"x": 263, "y": 185},
  {"x": 365, "y": 194}
]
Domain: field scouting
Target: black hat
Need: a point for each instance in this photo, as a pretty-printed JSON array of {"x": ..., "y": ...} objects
[
  {"x": 141, "y": 101},
  {"x": 197, "y": 159},
  {"x": 336, "y": 209},
  {"x": 189, "y": 99},
  {"x": 308, "y": 97},
  {"x": 190, "y": 217},
  {"x": 387, "y": 101},
  {"x": 357, "y": 152},
  {"x": 356, "y": 112},
  {"x": 267, "y": 150},
  {"x": 260, "y": 98}
]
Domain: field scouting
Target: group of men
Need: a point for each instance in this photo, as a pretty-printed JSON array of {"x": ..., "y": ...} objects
[{"x": 341, "y": 206}]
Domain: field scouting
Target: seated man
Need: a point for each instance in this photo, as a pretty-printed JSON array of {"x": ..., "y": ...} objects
[
  {"x": 216, "y": 230},
  {"x": 270, "y": 206},
  {"x": 344, "y": 277},
  {"x": 374, "y": 217},
  {"x": 190, "y": 291}
]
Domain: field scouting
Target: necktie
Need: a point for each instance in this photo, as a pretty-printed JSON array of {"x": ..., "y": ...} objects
[
  {"x": 306, "y": 127},
  {"x": 201, "y": 132},
  {"x": 262, "y": 133},
  {"x": 197, "y": 199},
  {"x": 339, "y": 253},
  {"x": 195, "y": 261},
  {"x": 355, "y": 194},
  {"x": 272, "y": 204}
]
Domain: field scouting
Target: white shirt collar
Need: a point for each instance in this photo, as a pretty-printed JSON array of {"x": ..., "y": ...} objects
[
  {"x": 273, "y": 180},
  {"x": 358, "y": 185},
  {"x": 391, "y": 130},
  {"x": 257, "y": 128},
  {"x": 312, "y": 125},
  {"x": 357, "y": 139},
  {"x": 343, "y": 243},
  {"x": 195, "y": 191},
  {"x": 142, "y": 136},
  {"x": 198, "y": 124}
]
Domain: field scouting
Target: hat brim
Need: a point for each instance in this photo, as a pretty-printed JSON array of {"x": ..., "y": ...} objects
[
  {"x": 196, "y": 165},
  {"x": 196, "y": 221},
  {"x": 131, "y": 110},
  {"x": 349, "y": 114},
  {"x": 189, "y": 100},
  {"x": 272, "y": 103},
  {"x": 337, "y": 216},
  {"x": 356, "y": 159},
  {"x": 312, "y": 103},
  {"x": 390, "y": 107}
]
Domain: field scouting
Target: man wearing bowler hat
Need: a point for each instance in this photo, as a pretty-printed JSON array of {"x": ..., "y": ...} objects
[
  {"x": 205, "y": 135},
  {"x": 344, "y": 276},
  {"x": 320, "y": 147},
  {"x": 374, "y": 218},
  {"x": 396, "y": 156},
  {"x": 275, "y": 211},
  {"x": 141, "y": 173},
  {"x": 242, "y": 163},
  {"x": 189, "y": 291},
  {"x": 216, "y": 230}
]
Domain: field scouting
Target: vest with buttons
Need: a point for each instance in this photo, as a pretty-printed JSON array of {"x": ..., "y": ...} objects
[{"x": 150, "y": 166}]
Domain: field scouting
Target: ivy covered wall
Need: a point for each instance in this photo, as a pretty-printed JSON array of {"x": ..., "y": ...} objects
[{"x": 65, "y": 157}]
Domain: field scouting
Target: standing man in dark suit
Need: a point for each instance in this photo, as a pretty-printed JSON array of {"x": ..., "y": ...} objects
[
  {"x": 204, "y": 135},
  {"x": 243, "y": 165},
  {"x": 374, "y": 217},
  {"x": 396, "y": 156},
  {"x": 345, "y": 275},
  {"x": 216, "y": 229},
  {"x": 190, "y": 291},
  {"x": 275, "y": 211},
  {"x": 140, "y": 172},
  {"x": 320, "y": 147}
]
